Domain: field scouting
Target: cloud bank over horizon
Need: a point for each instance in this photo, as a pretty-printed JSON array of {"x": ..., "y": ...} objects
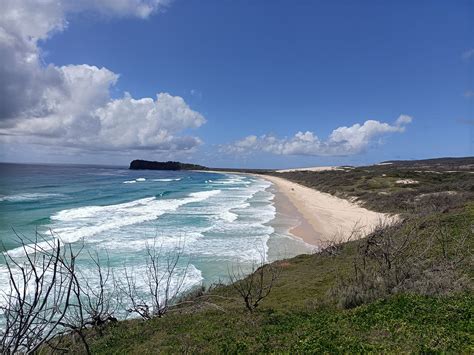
[
  {"x": 342, "y": 141},
  {"x": 71, "y": 105}
]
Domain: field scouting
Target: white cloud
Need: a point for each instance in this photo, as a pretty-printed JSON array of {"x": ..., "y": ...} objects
[
  {"x": 82, "y": 114},
  {"x": 67, "y": 110},
  {"x": 469, "y": 94},
  {"x": 159, "y": 121},
  {"x": 23, "y": 77},
  {"x": 342, "y": 141},
  {"x": 37, "y": 19},
  {"x": 71, "y": 105},
  {"x": 403, "y": 120}
]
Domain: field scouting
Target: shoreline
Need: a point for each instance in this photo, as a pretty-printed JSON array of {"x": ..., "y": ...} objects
[
  {"x": 326, "y": 218},
  {"x": 302, "y": 230},
  {"x": 323, "y": 218}
]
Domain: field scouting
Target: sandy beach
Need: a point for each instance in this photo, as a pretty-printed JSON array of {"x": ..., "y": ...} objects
[{"x": 324, "y": 218}]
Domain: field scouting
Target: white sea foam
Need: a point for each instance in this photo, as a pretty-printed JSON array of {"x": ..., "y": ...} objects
[
  {"x": 23, "y": 197},
  {"x": 83, "y": 222},
  {"x": 134, "y": 181},
  {"x": 250, "y": 250},
  {"x": 238, "y": 217},
  {"x": 126, "y": 242},
  {"x": 167, "y": 180},
  {"x": 184, "y": 278},
  {"x": 232, "y": 181},
  {"x": 189, "y": 274},
  {"x": 235, "y": 201},
  {"x": 228, "y": 216},
  {"x": 74, "y": 224},
  {"x": 35, "y": 247},
  {"x": 5, "y": 283},
  {"x": 243, "y": 206}
]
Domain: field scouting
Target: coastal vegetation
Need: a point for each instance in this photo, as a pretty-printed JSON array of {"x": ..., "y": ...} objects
[
  {"x": 406, "y": 287},
  {"x": 168, "y": 165},
  {"x": 405, "y": 187}
]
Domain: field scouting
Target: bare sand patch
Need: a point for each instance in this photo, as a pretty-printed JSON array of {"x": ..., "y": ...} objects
[{"x": 326, "y": 218}]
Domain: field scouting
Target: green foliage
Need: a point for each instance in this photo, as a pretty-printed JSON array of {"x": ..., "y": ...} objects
[{"x": 405, "y": 323}]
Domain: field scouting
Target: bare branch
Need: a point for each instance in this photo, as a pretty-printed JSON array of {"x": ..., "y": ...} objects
[
  {"x": 256, "y": 286},
  {"x": 39, "y": 295},
  {"x": 162, "y": 279}
]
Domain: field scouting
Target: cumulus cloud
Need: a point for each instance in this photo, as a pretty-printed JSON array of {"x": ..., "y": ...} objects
[
  {"x": 71, "y": 105},
  {"x": 160, "y": 120},
  {"x": 342, "y": 141},
  {"x": 23, "y": 78},
  {"x": 81, "y": 114}
]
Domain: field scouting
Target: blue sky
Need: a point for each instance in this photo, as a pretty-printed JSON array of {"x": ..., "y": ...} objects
[{"x": 263, "y": 69}]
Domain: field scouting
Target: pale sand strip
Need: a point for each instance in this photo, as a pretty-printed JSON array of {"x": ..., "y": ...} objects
[
  {"x": 332, "y": 218},
  {"x": 302, "y": 229},
  {"x": 314, "y": 168}
]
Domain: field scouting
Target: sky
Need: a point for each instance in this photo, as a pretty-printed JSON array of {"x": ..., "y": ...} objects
[{"x": 236, "y": 83}]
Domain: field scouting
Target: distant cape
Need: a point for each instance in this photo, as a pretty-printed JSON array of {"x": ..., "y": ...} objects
[{"x": 163, "y": 165}]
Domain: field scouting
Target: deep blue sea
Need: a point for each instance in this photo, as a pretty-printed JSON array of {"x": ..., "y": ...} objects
[{"x": 219, "y": 220}]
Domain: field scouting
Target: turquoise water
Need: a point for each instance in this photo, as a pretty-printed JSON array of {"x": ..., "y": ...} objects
[{"x": 220, "y": 220}]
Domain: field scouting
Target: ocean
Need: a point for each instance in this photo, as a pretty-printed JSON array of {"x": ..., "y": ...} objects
[{"x": 219, "y": 220}]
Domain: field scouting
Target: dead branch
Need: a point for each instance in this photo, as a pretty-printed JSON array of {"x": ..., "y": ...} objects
[
  {"x": 257, "y": 285},
  {"x": 163, "y": 283},
  {"x": 39, "y": 293}
]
